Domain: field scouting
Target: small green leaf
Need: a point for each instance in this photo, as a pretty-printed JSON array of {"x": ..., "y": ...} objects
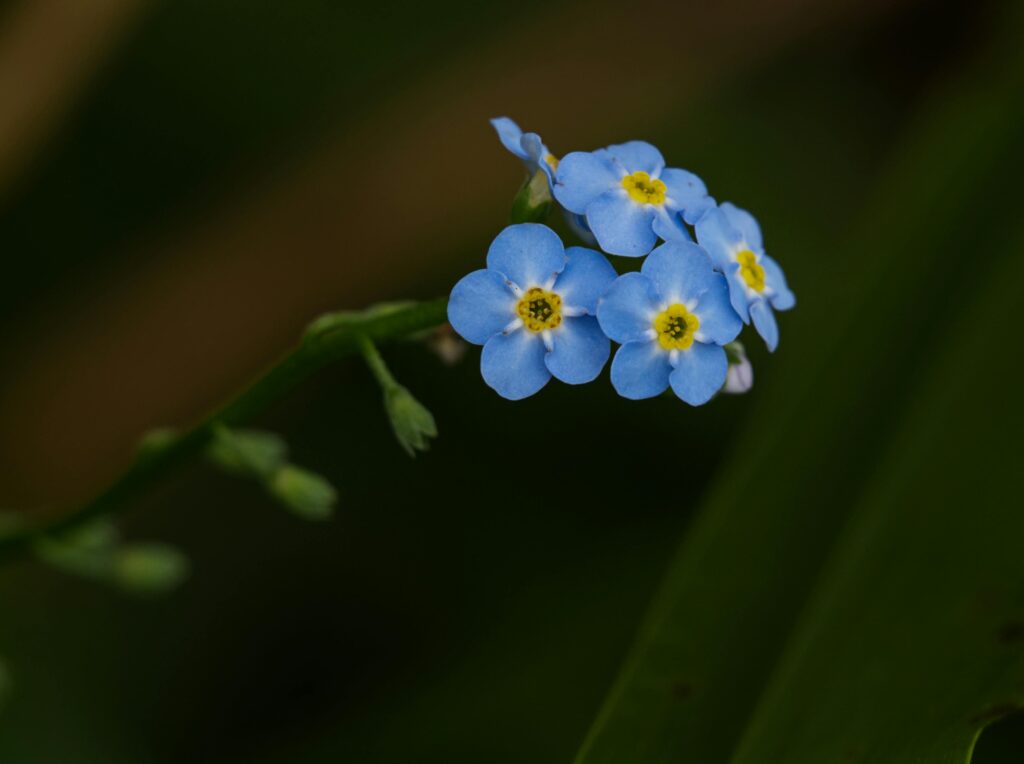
[
  {"x": 249, "y": 453},
  {"x": 148, "y": 569},
  {"x": 411, "y": 421},
  {"x": 305, "y": 493}
]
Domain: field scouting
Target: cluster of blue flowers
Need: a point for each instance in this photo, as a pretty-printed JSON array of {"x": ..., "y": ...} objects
[{"x": 542, "y": 310}]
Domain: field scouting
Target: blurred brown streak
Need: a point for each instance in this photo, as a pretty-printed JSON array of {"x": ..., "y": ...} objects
[
  {"x": 48, "y": 49},
  {"x": 358, "y": 222}
]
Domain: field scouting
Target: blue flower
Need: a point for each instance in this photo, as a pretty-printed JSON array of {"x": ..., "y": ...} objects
[
  {"x": 533, "y": 309},
  {"x": 672, "y": 319},
  {"x": 527, "y": 146},
  {"x": 629, "y": 197},
  {"x": 756, "y": 283}
]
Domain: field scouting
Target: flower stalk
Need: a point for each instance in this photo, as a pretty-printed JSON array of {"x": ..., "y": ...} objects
[{"x": 336, "y": 338}]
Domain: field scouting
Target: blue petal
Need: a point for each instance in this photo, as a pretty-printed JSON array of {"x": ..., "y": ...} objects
[
  {"x": 538, "y": 153},
  {"x": 480, "y": 306},
  {"x": 586, "y": 277},
  {"x": 745, "y": 223},
  {"x": 782, "y": 297},
  {"x": 686, "y": 192},
  {"x": 580, "y": 350},
  {"x": 621, "y": 226},
  {"x": 640, "y": 370},
  {"x": 582, "y": 177},
  {"x": 669, "y": 225},
  {"x": 719, "y": 322},
  {"x": 699, "y": 373},
  {"x": 638, "y": 156},
  {"x": 510, "y": 136},
  {"x": 681, "y": 270},
  {"x": 764, "y": 322},
  {"x": 529, "y": 254},
  {"x": 737, "y": 291},
  {"x": 578, "y": 225},
  {"x": 718, "y": 236},
  {"x": 513, "y": 364},
  {"x": 628, "y": 308}
]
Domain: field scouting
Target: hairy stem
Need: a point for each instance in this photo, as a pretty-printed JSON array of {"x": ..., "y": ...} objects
[{"x": 329, "y": 339}]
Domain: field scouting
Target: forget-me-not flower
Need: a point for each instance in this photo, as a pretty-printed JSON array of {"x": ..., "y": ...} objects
[
  {"x": 527, "y": 146},
  {"x": 672, "y": 319},
  {"x": 533, "y": 309},
  {"x": 628, "y": 197},
  {"x": 756, "y": 283},
  {"x": 535, "y": 155}
]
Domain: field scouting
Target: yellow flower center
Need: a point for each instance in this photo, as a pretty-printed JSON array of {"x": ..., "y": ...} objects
[
  {"x": 675, "y": 327},
  {"x": 551, "y": 161},
  {"x": 643, "y": 190},
  {"x": 540, "y": 309},
  {"x": 751, "y": 271}
]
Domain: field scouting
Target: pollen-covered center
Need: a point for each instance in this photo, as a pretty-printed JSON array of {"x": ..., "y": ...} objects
[
  {"x": 643, "y": 190},
  {"x": 540, "y": 309},
  {"x": 751, "y": 271},
  {"x": 675, "y": 327}
]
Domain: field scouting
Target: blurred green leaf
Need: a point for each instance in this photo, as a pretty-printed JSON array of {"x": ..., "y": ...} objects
[
  {"x": 895, "y": 657},
  {"x": 913, "y": 641}
]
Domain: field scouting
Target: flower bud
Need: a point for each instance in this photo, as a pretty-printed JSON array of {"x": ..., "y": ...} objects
[
  {"x": 149, "y": 569},
  {"x": 412, "y": 423},
  {"x": 249, "y": 453},
  {"x": 305, "y": 493},
  {"x": 740, "y": 376}
]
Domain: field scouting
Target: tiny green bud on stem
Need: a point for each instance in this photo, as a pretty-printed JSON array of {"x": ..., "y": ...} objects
[
  {"x": 249, "y": 453},
  {"x": 149, "y": 569},
  {"x": 411, "y": 421},
  {"x": 305, "y": 493}
]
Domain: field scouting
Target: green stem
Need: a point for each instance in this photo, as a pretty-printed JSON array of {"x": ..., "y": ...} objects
[
  {"x": 376, "y": 363},
  {"x": 330, "y": 339}
]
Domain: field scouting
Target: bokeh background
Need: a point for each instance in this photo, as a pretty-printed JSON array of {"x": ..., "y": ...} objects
[{"x": 184, "y": 185}]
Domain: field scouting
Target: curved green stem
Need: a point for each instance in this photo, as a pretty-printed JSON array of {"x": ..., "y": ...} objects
[{"x": 328, "y": 339}]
